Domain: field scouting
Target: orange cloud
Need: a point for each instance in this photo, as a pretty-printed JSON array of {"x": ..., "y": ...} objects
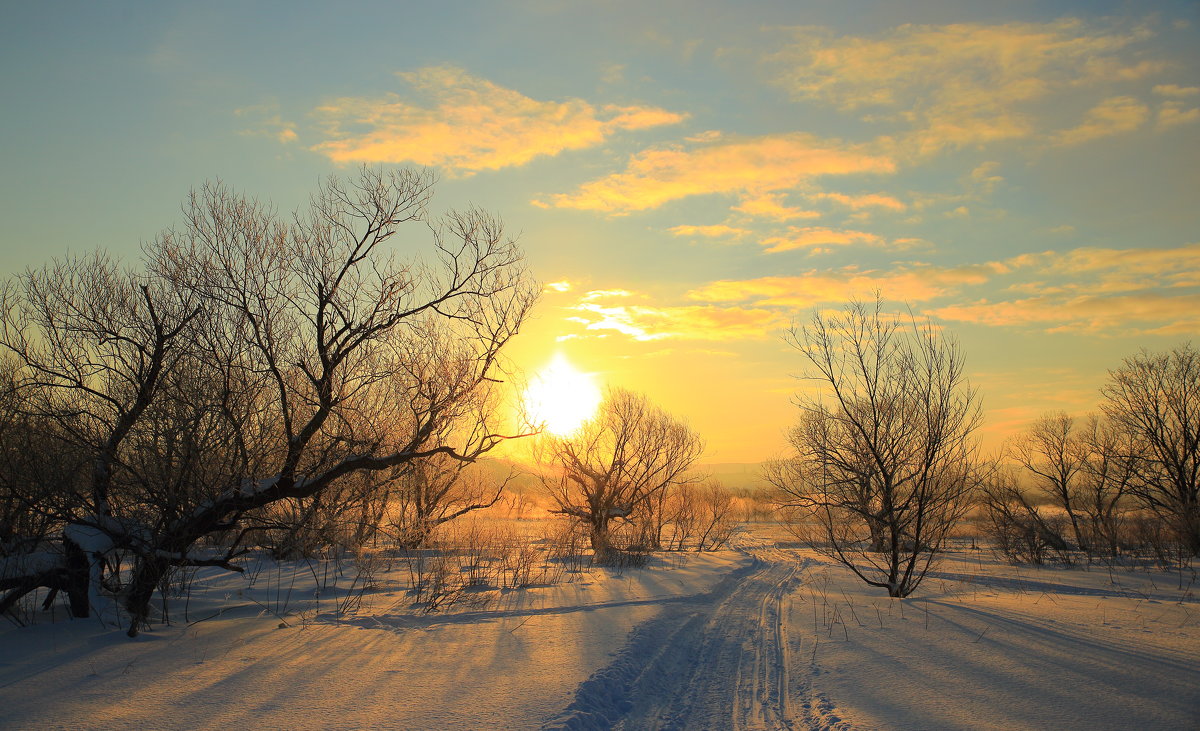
[
  {"x": 687, "y": 322},
  {"x": 1088, "y": 289},
  {"x": 871, "y": 200},
  {"x": 1096, "y": 290},
  {"x": 1173, "y": 114},
  {"x": 1175, "y": 90},
  {"x": 811, "y": 237},
  {"x": 1112, "y": 116},
  {"x": 1148, "y": 313},
  {"x": 957, "y": 85},
  {"x": 916, "y": 283},
  {"x": 1120, "y": 269},
  {"x": 712, "y": 232},
  {"x": 268, "y": 122},
  {"x": 751, "y": 167},
  {"x": 470, "y": 124},
  {"x": 769, "y": 206}
]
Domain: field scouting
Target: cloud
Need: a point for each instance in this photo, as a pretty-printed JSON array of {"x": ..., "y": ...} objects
[
  {"x": 469, "y": 124},
  {"x": 1097, "y": 291},
  {"x": 871, "y": 200},
  {"x": 685, "y": 322},
  {"x": 1174, "y": 90},
  {"x": 769, "y": 205},
  {"x": 1110, "y": 117},
  {"x": 598, "y": 294},
  {"x": 914, "y": 283},
  {"x": 1173, "y": 114},
  {"x": 560, "y": 286},
  {"x": 747, "y": 167},
  {"x": 1147, "y": 313},
  {"x": 1088, "y": 289},
  {"x": 268, "y": 122},
  {"x": 717, "y": 231},
  {"x": 817, "y": 237},
  {"x": 1141, "y": 268},
  {"x": 957, "y": 85},
  {"x": 613, "y": 73}
]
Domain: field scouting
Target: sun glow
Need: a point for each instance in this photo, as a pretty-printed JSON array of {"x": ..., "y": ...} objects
[{"x": 561, "y": 397}]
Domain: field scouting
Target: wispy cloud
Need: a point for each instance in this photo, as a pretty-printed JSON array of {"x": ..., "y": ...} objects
[
  {"x": 1095, "y": 290},
  {"x": 870, "y": 200},
  {"x": 268, "y": 121},
  {"x": 750, "y": 168},
  {"x": 912, "y": 283},
  {"x": 1109, "y": 117},
  {"x": 598, "y": 315},
  {"x": 960, "y": 85},
  {"x": 1148, "y": 313},
  {"x": 715, "y": 231},
  {"x": 770, "y": 206},
  {"x": 818, "y": 238},
  {"x": 469, "y": 124},
  {"x": 1173, "y": 114},
  {"x": 1175, "y": 90},
  {"x": 1088, "y": 289},
  {"x": 1150, "y": 267}
]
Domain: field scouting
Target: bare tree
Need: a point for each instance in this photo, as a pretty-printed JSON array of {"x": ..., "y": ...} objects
[
  {"x": 266, "y": 360},
  {"x": 885, "y": 466},
  {"x": 1154, "y": 398},
  {"x": 1050, "y": 451},
  {"x": 92, "y": 344},
  {"x": 625, "y": 456},
  {"x": 435, "y": 491},
  {"x": 715, "y": 524},
  {"x": 694, "y": 512},
  {"x": 1104, "y": 481},
  {"x": 1021, "y": 531}
]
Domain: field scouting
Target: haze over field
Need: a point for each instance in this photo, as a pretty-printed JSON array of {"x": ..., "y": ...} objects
[{"x": 687, "y": 178}]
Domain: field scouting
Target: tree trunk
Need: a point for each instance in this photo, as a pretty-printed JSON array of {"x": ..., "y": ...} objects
[
  {"x": 1189, "y": 529},
  {"x": 78, "y": 575},
  {"x": 147, "y": 576},
  {"x": 602, "y": 549}
]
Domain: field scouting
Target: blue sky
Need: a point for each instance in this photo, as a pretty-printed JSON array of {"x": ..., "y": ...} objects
[{"x": 690, "y": 177}]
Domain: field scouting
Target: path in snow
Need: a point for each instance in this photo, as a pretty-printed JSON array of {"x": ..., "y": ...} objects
[{"x": 719, "y": 661}]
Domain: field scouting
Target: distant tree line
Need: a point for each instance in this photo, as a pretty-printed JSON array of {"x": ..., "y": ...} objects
[{"x": 1123, "y": 480}]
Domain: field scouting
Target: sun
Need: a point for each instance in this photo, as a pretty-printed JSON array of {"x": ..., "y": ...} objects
[{"x": 561, "y": 397}]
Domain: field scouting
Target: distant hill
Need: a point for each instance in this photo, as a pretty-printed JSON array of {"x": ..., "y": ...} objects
[
  {"x": 745, "y": 475},
  {"x": 738, "y": 475}
]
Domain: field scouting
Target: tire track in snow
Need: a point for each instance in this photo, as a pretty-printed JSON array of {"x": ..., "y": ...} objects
[{"x": 718, "y": 662}]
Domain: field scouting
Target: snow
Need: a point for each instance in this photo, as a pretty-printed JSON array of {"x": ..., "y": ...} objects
[
  {"x": 27, "y": 564},
  {"x": 764, "y": 636},
  {"x": 89, "y": 538}
]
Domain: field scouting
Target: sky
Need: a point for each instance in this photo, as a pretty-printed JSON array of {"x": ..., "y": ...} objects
[{"x": 687, "y": 179}]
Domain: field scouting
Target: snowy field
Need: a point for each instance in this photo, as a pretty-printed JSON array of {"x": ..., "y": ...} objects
[{"x": 762, "y": 636}]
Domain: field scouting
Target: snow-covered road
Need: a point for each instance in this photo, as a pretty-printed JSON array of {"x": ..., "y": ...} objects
[
  {"x": 791, "y": 641},
  {"x": 719, "y": 661}
]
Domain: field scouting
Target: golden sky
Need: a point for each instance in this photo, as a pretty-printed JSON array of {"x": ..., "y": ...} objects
[{"x": 688, "y": 179}]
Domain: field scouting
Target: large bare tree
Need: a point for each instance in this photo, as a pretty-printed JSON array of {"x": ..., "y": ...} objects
[
  {"x": 1051, "y": 452},
  {"x": 267, "y": 359},
  {"x": 1154, "y": 398},
  {"x": 615, "y": 463},
  {"x": 884, "y": 459}
]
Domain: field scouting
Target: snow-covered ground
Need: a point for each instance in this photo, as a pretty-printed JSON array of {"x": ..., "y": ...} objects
[{"x": 757, "y": 637}]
